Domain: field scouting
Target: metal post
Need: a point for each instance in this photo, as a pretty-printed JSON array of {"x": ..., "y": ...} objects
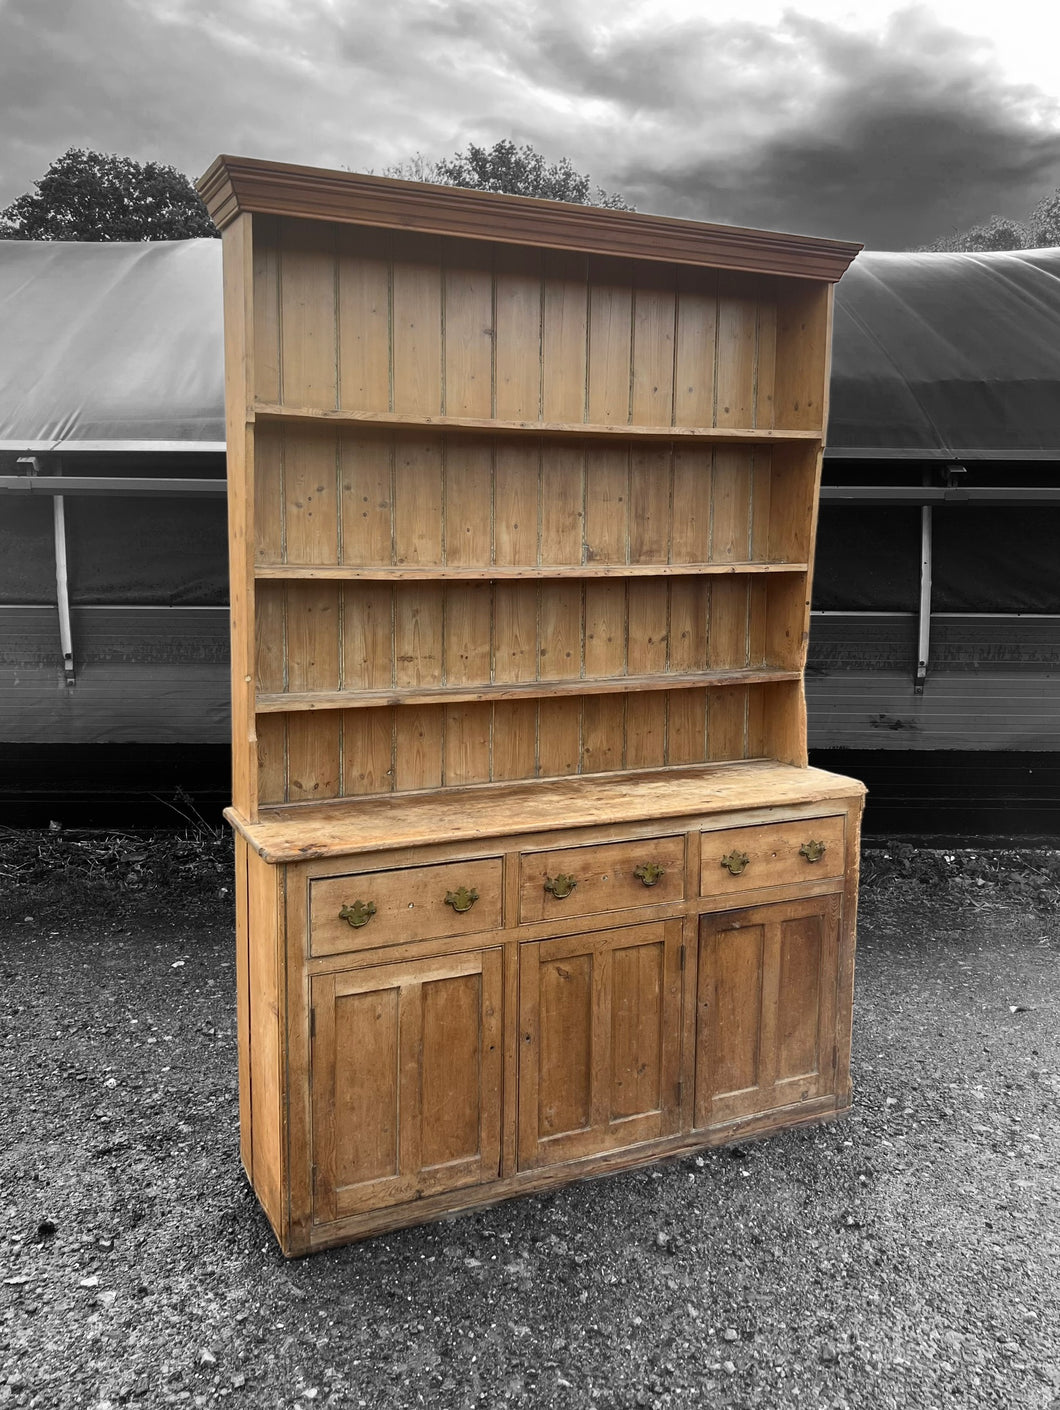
[
  {"x": 923, "y": 649},
  {"x": 62, "y": 590}
]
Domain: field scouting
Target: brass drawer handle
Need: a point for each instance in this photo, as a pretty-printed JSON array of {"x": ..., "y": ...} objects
[
  {"x": 360, "y": 913},
  {"x": 813, "y": 851},
  {"x": 560, "y": 886},
  {"x": 735, "y": 862},
  {"x": 461, "y": 899},
  {"x": 649, "y": 873}
]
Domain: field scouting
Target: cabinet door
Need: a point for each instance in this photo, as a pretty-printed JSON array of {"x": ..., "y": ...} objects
[
  {"x": 406, "y": 1075},
  {"x": 600, "y": 1041},
  {"x": 767, "y": 1007}
]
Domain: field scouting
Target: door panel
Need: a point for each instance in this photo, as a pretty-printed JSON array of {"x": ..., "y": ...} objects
[
  {"x": 766, "y": 1008},
  {"x": 406, "y": 1076},
  {"x": 600, "y": 1044}
]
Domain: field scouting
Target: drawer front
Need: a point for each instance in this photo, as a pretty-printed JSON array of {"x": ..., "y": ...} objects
[
  {"x": 409, "y": 905},
  {"x": 604, "y": 878},
  {"x": 748, "y": 858}
]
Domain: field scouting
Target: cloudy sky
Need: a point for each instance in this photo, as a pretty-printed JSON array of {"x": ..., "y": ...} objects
[{"x": 885, "y": 123}]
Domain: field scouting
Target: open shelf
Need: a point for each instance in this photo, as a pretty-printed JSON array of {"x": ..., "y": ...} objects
[
  {"x": 276, "y": 702},
  {"x": 503, "y": 572},
  {"x": 402, "y": 421}
]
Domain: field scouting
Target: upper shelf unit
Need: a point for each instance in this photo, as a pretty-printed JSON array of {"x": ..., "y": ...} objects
[{"x": 517, "y": 489}]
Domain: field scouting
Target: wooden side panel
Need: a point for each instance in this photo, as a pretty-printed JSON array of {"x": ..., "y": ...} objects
[
  {"x": 267, "y": 1027},
  {"x": 238, "y": 287},
  {"x": 243, "y": 1032},
  {"x": 407, "y": 1065}
]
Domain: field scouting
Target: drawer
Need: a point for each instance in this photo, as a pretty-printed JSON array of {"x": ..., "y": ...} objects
[
  {"x": 409, "y": 905},
  {"x": 770, "y": 855},
  {"x": 604, "y": 878}
]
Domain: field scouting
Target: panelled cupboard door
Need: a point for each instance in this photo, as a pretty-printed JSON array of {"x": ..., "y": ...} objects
[
  {"x": 406, "y": 1074},
  {"x": 766, "y": 1022},
  {"x": 600, "y": 1041}
]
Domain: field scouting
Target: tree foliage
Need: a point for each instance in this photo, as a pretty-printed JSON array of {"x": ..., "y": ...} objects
[
  {"x": 1002, "y": 233},
  {"x": 95, "y": 196},
  {"x": 511, "y": 170}
]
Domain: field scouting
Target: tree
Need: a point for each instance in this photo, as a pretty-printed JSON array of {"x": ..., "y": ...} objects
[
  {"x": 1045, "y": 221},
  {"x": 511, "y": 170},
  {"x": 999, "y": 233},
  {"x": 95, "y": 196}
]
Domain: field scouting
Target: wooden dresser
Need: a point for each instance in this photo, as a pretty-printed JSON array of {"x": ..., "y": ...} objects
[{"x": 533, "y": 880}]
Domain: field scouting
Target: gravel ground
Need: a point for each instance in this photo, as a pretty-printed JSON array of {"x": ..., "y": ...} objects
[{"x": 906, "y": 1256}]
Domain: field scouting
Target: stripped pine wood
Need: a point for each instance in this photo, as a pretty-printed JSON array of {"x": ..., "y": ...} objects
[
  {"x": 362, "y": 292},
  {"x": 516, "y": 495},
  {"x": 610, "y": 341},
  {"x": 367, "y": 636},
  {"x": 522, "y": 503},
  {"x": 269, "y": 497},
  {"x": 310, "y": 482},
  {"x": 367, "y": 752},
  {"x": 308, "y": 341},
  {"x": 564, "y": 329},
  {"x": 607, "y": 505},
  {"x": 270, "y": 413},
  {"x": 654, "y": 314},
  {"x": 737, "y": 344},
  {"x": 366, "y": 473},
  {"x": 468, "y": 503},
  {"x": 696, "y": 348},
  {"x": 562, "y": 506},
  {"x": 418, "y": 501},
  {"x": 416, "y": 332},
  {"x": 651, "y": 504},
  {"x": 517, "y": 342},
  {"x": 271, "y": 755},
  {"x": 266, "y": 308},
  {"x": 312, "y": 637},
  {"x": 469, "y": 330}
]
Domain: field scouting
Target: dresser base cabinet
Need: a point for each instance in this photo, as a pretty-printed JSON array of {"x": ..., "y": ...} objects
[{"x": 437, "y": 1022}]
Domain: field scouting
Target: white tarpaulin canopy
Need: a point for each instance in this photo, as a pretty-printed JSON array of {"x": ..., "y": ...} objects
[
  {"x": 119, "y": 346},
  {"x": 111, "y": 346}
]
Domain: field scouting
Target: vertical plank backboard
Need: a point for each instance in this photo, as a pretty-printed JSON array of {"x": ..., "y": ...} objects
[
  {"x": 308, "y": 322},
  {"x": 564, "y": 335},
  {"x": 517, "y": 350},
  {"x": 468, "y": 328},
  {"x": 363, "y": 294},
  {"x": 417, "y": 324}
]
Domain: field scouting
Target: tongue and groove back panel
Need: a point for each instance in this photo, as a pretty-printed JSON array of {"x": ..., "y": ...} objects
[{"x": 523, "y": 563}]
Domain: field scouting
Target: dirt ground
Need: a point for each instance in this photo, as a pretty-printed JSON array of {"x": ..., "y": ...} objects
[{"x": 906, "y": 1256}]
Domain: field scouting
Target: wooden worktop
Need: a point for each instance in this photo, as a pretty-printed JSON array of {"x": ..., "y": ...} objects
[{"x": 299, "y": 832}]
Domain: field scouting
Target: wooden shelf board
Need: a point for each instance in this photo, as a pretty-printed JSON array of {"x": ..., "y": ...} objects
[
  {"x": 302, "y": 831},
  {"x": 498, "y": 571},
  {"x": 399, "y": 421},
  {"x": 279, "y": 702}
]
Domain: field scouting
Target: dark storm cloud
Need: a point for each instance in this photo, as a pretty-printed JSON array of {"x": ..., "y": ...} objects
[{"x": 890, "y": 138}]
